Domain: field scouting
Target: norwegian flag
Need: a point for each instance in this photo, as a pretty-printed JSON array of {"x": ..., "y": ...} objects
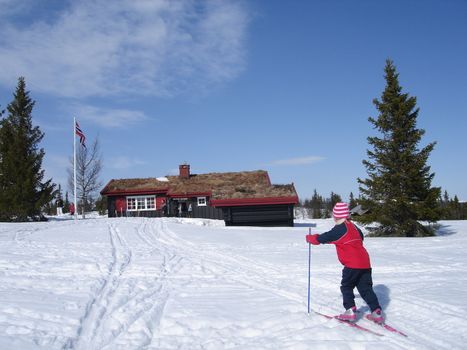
[{"x": 80, "y": 133}]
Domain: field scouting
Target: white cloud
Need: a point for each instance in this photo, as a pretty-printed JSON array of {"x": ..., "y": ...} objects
[
  {"x": 297, "y": 161},
  {"x": 124, "y": 162},
  {"x": 102, "y": 48},
  {"x": 106, "y": 117}
]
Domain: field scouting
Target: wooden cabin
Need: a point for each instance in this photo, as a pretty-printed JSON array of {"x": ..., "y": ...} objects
[{"x": 239, "y": 198}]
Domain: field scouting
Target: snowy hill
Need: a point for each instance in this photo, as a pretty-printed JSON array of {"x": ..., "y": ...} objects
[{"x": 195, "y": 284}]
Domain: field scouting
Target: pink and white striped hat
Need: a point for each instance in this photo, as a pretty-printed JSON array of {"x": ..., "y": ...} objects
[{"x": 341, "y": 211}]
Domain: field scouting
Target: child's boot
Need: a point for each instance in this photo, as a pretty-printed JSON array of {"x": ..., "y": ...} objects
[
  {"x": 350, "y": 315},
  {"x": 376, "y": 316}
]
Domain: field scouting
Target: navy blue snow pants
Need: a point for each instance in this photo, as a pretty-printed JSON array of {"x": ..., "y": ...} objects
[{"x": 360, "y": 278}]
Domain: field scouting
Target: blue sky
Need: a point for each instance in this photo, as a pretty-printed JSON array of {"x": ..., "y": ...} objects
[{"x": 284, "y": 86}]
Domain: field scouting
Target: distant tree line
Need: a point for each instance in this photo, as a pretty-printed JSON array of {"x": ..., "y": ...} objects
[
  {"x": 320, "y": 207},
  {"x": 98, "y": 204},
  {"x": 452, "y": 209},
  {"x": 91, "y": 203}
]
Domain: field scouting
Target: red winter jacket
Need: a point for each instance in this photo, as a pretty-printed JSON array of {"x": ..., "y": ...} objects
[{"x": 348, "y": 240}]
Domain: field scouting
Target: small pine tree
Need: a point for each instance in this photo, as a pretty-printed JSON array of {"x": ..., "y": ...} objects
[
  {"x": 455, "y": 208},
  {"x": 330, "y": 202},
  {"x": 398, "y": 189},
  {"x": 444, "y": 204},
  {"x": 23, "y": 193},
  {"x": 352, "y": 201},
  {"x": 335, "y": 198},
  {"x": 316, "y": 205},
  {"x": 101, "y": 205},
  {"x": 59, "y": 193},
  {"x": 66, "y": 203}
]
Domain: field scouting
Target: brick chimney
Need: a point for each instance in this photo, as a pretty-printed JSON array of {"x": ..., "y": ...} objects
[{"x": 184, "y": 171}]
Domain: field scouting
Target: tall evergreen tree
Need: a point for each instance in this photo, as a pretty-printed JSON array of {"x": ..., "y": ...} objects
[
  {"x": 398, "y": 189},
  {"x": 23, "y": 193}
]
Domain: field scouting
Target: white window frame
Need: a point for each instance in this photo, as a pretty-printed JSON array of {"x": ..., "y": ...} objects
[
  {"x": 131, "y": 203},
  {"x": 141, "y": 203},
  {"x": 202, "y": 201}
]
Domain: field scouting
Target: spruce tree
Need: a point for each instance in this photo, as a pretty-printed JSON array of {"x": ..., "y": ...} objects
[
  {"x": 66, "y": 203},
  {"x": 352, "y": 201},
  {"x": 59, "y": 193},
  {"x": 455, "y": 208},
  {"x": 101, "y": 205},
  {"x": 444, "y": 203},
  {"x": 316, "y": 205},
  {"x": 22, "y": 191},
  {"x": 330, "y": 202},
  {"x": 398, "y": 189},
  {"x": 335, "y": 198}
]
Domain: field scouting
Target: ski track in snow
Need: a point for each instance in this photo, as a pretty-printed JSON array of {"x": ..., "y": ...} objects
[
  {"x": 242, "y": 270},
  {"x": 118, "y": 310},
  {"x": 141, "y": 283},
  {"x": 96, "y": 318}
]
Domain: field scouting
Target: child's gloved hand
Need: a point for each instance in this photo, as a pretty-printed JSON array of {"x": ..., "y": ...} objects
[{"x": 312, "y": 239}]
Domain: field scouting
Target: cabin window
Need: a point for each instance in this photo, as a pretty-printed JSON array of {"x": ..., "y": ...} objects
[
  {"x": 202, "y": 201},
  {"x": 141, "y": 203},
  {"x": 131, "y": 203}
]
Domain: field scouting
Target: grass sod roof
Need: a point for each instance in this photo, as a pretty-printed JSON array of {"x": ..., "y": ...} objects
[{"x": 233, "y": 185}]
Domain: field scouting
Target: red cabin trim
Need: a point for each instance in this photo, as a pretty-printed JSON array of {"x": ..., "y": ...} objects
[
  {"x": 148, "y": 192},
  {"x": 253, "y": 201}
]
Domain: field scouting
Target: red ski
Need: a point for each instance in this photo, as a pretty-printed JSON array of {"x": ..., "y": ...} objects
[
  {"x": 350, "y": 324},
  {"x": 386, "y": 326}
]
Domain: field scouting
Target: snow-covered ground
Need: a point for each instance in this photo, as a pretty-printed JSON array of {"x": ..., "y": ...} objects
[{"x": 194, "y": 284}]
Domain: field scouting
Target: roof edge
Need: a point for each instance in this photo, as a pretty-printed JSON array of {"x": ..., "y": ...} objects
[
  {"x": 234, "y": 202},
  {"x": 126, "y": 192}
]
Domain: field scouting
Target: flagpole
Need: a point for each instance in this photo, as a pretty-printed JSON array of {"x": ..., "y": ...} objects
[{"x": 74, "y": 167}]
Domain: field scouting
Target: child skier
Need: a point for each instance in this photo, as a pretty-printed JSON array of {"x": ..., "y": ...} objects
[{"x": 348, "y": 240}]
